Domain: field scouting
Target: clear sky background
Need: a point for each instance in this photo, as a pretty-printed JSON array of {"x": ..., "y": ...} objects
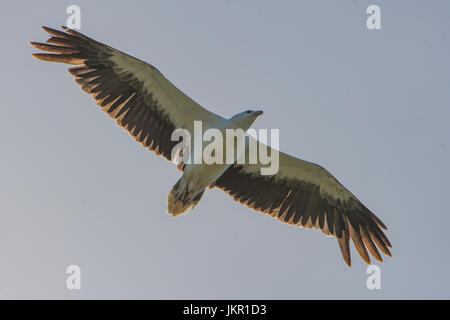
[{"x": 373, "y": 107}]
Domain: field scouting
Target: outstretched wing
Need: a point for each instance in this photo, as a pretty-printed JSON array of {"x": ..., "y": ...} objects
[
  {"x": 306, "y": 195},
  {"x": 134, "y": 93}
]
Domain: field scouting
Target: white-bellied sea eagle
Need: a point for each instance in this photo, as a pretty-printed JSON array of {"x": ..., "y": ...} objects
[{"x": 150, "y": 108}]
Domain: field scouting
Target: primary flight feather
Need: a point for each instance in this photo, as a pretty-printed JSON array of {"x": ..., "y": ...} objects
[{"x": 151, "y": 108}]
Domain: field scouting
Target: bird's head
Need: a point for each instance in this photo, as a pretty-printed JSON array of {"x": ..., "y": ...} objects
[
  {"x": 250, "y": 114},
  {"x": 245, "y": 119}
]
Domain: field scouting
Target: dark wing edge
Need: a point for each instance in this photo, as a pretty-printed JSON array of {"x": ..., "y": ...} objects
[
  {"x": 301, "y": 204},
  {"x": 120, "y": 95}
]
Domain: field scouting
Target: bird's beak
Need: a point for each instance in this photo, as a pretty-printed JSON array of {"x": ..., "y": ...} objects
[{"x": 259, "y": 112}]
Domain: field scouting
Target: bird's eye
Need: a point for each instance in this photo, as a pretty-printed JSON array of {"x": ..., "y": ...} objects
[{"x": 248, "y": 111}]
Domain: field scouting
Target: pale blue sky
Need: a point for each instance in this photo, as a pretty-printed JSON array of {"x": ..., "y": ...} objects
[{"x": 370, "y": 106}]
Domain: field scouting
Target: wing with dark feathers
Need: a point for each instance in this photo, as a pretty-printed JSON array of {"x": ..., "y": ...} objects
[
  {"x": 306, "y": 195},
  {"x": 134, "y": 93}
]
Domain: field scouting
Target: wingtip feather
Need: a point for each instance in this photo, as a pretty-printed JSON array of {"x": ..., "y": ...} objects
[
  {"x": 48, "y": 29},
  {"x": 61, "y": 58}
]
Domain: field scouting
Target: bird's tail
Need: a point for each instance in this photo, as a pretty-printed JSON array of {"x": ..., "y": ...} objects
[{"x": 181, "y": 201}]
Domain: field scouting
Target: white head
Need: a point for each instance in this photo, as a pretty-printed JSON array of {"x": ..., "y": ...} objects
[{"x": 245, "y": 119}]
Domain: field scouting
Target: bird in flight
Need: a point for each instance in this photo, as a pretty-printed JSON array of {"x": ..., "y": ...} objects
[{"x": 149, "y": 107}]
